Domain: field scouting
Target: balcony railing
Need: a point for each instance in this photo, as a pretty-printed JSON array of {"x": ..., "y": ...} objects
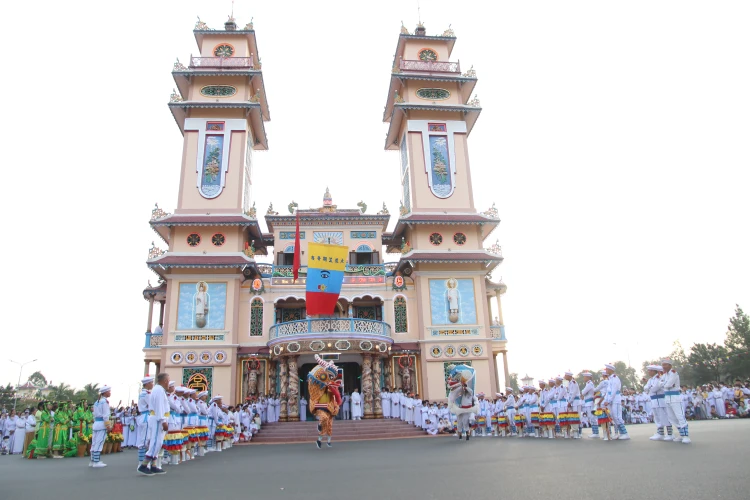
[
  {"x": 430, "y": 66},
  {"x": 497, "y": 332},
  {"x": 154, "y": 340},
  {"x": 221, "y": 62},
  {"x": 352, "y": 326},
  {"x": 357, "y": 269}
]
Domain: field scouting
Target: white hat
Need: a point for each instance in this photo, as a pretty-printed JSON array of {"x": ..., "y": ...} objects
[
  {"x": 201, "y": 394},
  {"x": 171, "y": 383},
  {"x": 542, "y": 382},
  {"x": 551, "y": 380},
  {"x": 147, "y": 379},
  {"x": 586, "y": 374},
  {"x": 218, "y": 396},
  {"x": 509, "y": 389},
  {"x": 611, "y": 367},
  {"x": 104, "y": 389},
  {"x": 498, "y": 394},
  {"x": 604, "y": 372},
  {"x": 558, "y": 377},
  {"x": 653, "y": 368},
  {"x": 569, "y": 374},
  {"x": 666, "y": 361}
]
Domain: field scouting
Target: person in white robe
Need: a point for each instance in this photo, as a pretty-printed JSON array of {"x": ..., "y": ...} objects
[
  {"x": 356, "y": 401},
  {"x": 346, "y": 407},
  {"x": 417, "y": 411},
  {"x": 395, "y": 404},
  {"x": 18, "y": 436},
  {"x": 157, "y": 424},
  {"x": 303, "y": 409},
  {"x": 424, "y": 411},
  {"x": 385, "y": 400}
]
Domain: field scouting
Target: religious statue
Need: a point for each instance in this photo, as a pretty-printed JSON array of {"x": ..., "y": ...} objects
[
  {"x": 453, "y": 299},
  {"x": 405, "y": 369},
  {"x": 201, "y": 304},
  {"x": 293, "y": 395},
  {"x": 253, "y": 370}
]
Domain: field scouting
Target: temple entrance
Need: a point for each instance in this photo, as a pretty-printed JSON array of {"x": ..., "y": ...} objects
[{"x": 351, "y": 380}]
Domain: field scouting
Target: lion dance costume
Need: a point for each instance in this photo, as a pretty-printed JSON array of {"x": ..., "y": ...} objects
[
  {"x": 323, "y": 383},
  {"x": 461, "y": 400}
]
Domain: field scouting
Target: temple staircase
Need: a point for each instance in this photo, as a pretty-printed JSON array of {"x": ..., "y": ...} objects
[{"x": 343, "y": 430}]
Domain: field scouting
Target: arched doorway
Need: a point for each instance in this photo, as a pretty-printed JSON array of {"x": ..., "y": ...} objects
[{"x": 352, "y": 379}]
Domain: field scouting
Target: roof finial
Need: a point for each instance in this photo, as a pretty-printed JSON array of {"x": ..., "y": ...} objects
[{"x": 419, "y": 13}]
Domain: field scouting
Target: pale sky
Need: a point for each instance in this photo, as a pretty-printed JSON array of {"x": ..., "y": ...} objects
[{"x": 613, "y": 139}]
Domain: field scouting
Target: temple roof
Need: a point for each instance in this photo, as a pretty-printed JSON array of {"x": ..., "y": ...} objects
[
  {"x": 318, "y": 218},
  {"x": 450, "y": 219},
  {"x": 468, "y": 112},
  {"x": 199, "y": 261},
  {"x": 458, "y": 257},
  {"x": 161, "y": 226},
  {"x": 180, "y": 108},
  {"x": 466, "y": 85}
]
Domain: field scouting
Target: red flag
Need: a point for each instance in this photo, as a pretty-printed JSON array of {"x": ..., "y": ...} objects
[{"x": 297, "y": 254}]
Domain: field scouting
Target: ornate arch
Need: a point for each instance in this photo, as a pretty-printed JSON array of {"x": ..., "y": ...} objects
[
  {"x": 256, "y": 317},
  {"x": 400, "y": 323}
]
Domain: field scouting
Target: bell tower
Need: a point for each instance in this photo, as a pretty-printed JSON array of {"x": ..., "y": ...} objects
[{"x": 219, "y": 105}]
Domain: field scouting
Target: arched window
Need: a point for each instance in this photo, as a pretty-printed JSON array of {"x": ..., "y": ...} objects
[
  {"x": 364, "y": 255},
  {"x": 286, "y": 258},
  {"x": 399, "y": 309},
  {"x": 256, "y": 318}
]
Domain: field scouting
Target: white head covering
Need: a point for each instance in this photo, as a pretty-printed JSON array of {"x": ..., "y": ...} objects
[
  {"x": 171, "y": 383},
  {"x": 147, "y": 379},
  {"x": 666, "y": 361},
  {"x": 611, "y": 367},
  {"x": 653, "y": 368},
  {"x": 569, "y": 374},
  {"x": 586, "y": 374},
  {"x": 509, "y": 389},
  {"x": 104, "y": 389}
]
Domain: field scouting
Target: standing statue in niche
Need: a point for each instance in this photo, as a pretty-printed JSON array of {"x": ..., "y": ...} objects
[
  {"x": 405, "y": 369},
  {"x": 253, "y": 370},
  {"x": 201, "y": 304},
  {"x": 453, "y": 299}
]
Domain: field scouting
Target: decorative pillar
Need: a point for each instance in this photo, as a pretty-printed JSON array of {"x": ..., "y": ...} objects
[
  {"x": 161, "y": 312},
  {"x": 283, "y": 415},
  {"x": 489, "y": 309},
  {"x": 387, "y": 380},
  {"x": 367, "y": 384},
  {"x": 499, "y": 310},
  {"x": 145, "y": 368},
  {"x": 505, "y": 369},
  {"x": 293, "y": 406},
  {"x": 150, "y": 313},
  {"x": 377, "y": 402},
  {"x": 271, "y": 378}
]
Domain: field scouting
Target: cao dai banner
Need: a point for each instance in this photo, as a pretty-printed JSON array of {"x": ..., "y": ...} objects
[{"x": 325, "y": 273}]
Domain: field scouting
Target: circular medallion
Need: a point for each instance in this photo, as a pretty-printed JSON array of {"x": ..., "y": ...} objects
[
  {"x": 436, "y": 351},
  {"x": 257, "y": 284},
  {"x": 223, "y": 50},
  {"x": 463, "y": 350},
  {"x": 427, "y": 55},
  {"x": 194, "y": 239},
  {"x": 220, "y": 356},
  {"x": 277, "y": 349},
  {"x": 176, "y": 358},
  {"x": 218, "y": 91},
  {"x": 398, "y": 282},
  {"x": 218, "y": 239},
  {"x": 436, "y": 238},
  {"x": 343, "y": 345},
  {"x": 191, "y": 357},
  {"x": 382, "y": 347},
  {"x": 205, "y": 357},
  {"x": 365, "y": 345},
  {"x": 459, "y": 238},
  {"x": 477, "y": 350},
  {"x": 450, "y": 351},
  {"x": 317, "y": 345},
  {"x": 293, "y": 347},
  {"x": 433, "y": 94},
  {"x": 407, "y": 271}
]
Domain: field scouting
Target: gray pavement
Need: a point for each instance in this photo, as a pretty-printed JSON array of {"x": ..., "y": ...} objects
[{"x": 713, "y": 467}]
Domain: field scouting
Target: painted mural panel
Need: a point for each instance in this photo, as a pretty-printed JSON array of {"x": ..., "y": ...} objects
[
  {"x": 452, "y": 302},
  {"x": 212, "y": 160},
  {"x": 200, "y": 379},
  {"x": 440, "y": 163},
  {"x": 404, "y": 155},
  {"x": 202, "y": 306}
]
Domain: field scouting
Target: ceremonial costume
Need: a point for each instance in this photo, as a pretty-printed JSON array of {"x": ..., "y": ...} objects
[
  {"x": 510, "y": 411},
  {"x": 101, "y": 425},
  {"x": 385, "y": 398},
  {"x": 612, "y": 402},
  {"x": 323, "y": 383},
  {"x": 587, "y": 395},
  {"x": 395, "y": 405},
  {"x": 142, "y": 419},
  {"x": 573, "y": 417},
  {"x": 461, "y": 400},
  {"x": 658, "y": 404},
  {"x": 670, "y": 382},
  {"x": 356, "y": 401},
  {"x": 18, "y": 436}
]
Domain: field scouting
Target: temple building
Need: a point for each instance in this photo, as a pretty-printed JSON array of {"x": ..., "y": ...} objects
[{"x": 414, "y": 300}]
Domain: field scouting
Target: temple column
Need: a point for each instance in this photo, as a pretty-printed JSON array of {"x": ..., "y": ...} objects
[
  {"x": 505, "y": 369},
  {"x": 367, "y": 384},
  {"x": 161, "y": 312},
  {"x": 293, "y": 396},
  {"x": 387, "y": 376},
  {"x": 145, "y": 368},
  {"x": 377, "y": 403},
  {"x": 150, "y": 314},
  {"x": 499, "y": 309},
  {"x": 283, "y": 415},
  {"x": 489, "y": 309}
]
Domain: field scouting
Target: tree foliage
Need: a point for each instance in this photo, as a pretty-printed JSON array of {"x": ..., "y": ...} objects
[
  {"x": 708, "y": 362},
  {"x": 7, "y": 396},
  {"x": 738, "y": 344},
  {"x": 514, "y": 381},
  {"x": 38, "y": 379}
]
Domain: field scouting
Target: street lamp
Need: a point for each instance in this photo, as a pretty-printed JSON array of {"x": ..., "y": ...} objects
[{"x": 15, "y": 400}]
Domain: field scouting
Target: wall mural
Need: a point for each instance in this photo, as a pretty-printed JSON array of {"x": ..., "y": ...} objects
[
  {"x": 213, "y": 153},
  {"x": 200, "y": 379},
  {"x": 452, "y": 301},
  {"x": 202, "y": 305},
  {"x": 440, "y": 163},
  {"x": 328, "y": 237}
]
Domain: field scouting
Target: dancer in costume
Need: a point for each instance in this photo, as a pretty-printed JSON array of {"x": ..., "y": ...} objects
[
  {"x": 143, "y": 417},
  {"x": 510, "y": 410},
  {"x": 202, "y": 423},
  {"x": 658, "y": 403},
  {"x": 670, "y": 382},
  {"x": 39, "y": 447},
  {"x": 573, "y": 419},
  {"x": 323, "y": 383},
  {"x": 461, "y": 400},
  {"x": 587, "y": 394},
  {"x": 60, "y": 436},
  {"x": 158, "y": 425},
  {"x": 101, "y": 426},
  {"x": 613, "y": 402}
]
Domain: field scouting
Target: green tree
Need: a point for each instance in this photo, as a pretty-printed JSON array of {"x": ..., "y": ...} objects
[
  {"x": 707, "y": 363},
  {"x": 514, "y": 381},
  {"x": 38, "y": 379},
  {"x": 92, "y": 392},
  {"x": 596, "y": 376},
  {"x": 738, "y": 343},
  {"x": 7, "y": 396},
  {"x": 62, "y": 392},
  {"x": 627, "y": 375}
]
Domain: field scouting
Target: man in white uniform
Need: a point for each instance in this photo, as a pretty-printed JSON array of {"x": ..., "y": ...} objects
[
  {"x": 356, "y": 401},
  {"x": 346, "y": 406},
  {"x": 658, "y": 404},
  {"x": 670, "y": 382},
  {"x": 612, "y": 402},
  {"x": 587, "y": 394},
  {"x": 159, "y": 413},
  {"x": 144, "y": 413},
  {"x": 510, "y": 410},
  {"x": 101, "y": 426}
]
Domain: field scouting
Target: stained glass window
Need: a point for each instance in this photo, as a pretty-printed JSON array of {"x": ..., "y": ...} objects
[
  {"x": 256, "y": 318},
  {"x": 436, "y": 239},
  {"x": 368, "y": 312},
  {"x": 399, "y": 309},
  {"x": 194, "y": 239},
  {"x": 459, "y": 238},
  {"x": 428, "y": 55}
]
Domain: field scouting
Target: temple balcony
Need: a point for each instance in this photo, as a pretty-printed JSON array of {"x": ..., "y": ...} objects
[
  {"x": 154, "y": 340},
  {"x": 286, "y": 271},
  {"x": 497, "y": 332},
  {"x": 221, "y": 63},
  {"x": 327, "y": 328},
  {"x": 419, "y": 66}
]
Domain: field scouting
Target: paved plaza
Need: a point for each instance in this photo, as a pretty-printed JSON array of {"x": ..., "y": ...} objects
[{"x": 713, "y": 467}]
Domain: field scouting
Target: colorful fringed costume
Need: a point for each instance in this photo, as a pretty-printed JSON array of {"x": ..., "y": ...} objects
[
  {"x": 461, "y": 400},
  {"x": 323, "y": 383}
]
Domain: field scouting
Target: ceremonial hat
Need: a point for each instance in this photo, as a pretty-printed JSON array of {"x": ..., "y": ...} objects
[
  {"x": 498, "y": 394},
  {"x": 607, "y": 365},
  {"x": 604, "y": 372},
  {"x": 542, "y": 382},
  {"x": 653, "y": 368},
  {"x": 171, "y": 383},
  {"x": 666, "y": 361},
  {"x": 558, "y": 377},
  {"x": 586, "y": 374},
  {"x": 569, "y": 374},
  {"x": 204, "y": 393},
  {"x": 104, "y": 389},
  {"x": 551, "y": 381},
  {"x": 509, "y": 389},
  {"x": 147, "y": 379},
  {"x": 180, "y": 389}
]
